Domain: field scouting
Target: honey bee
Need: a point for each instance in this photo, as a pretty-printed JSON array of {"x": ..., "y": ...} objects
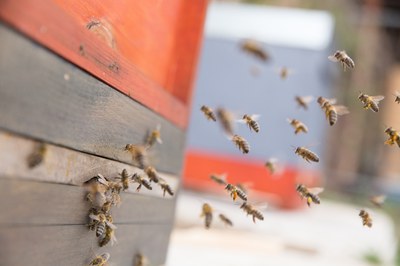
[
  {"x": 306, "y": 154},
  {"x": 271, "y": 165},
  {"x": 141, "y": 181},
  {"x": 97, "y": 187},
  {"x": 102, "y": 221},
  {"x": 251, "y": 210},
  {"x": 284, "y": 72},
  {"x": 236, "y": 192},
  {"x": 366, "y": 218},
  {"x": 106, "y": 208},
  {"x": 332, "y": 111},
  {"x": 139, "y": 154},
  {"x": 303, "y": 101},
  {"x": 92, "y": 223},
  {"x": 251, "y": 121},
  {"x": 397, "y": 95},
  {"x": 152, "y": 174},
  {"x": 100, "y": 260},
  {"x": 311, "y": 194},
  {"x": 153, "y": 137},
  {"x": 37, "y": 156},
  {"x": 255, "y": 48},
  {"x": 298, "y": 126},
  {"x": 343, "y": 58},
  {"x": 371, "y": 102},
  {"x": 241, "y": 143},
  {"x": 165, "y": 187},
  {"x": 208, "y": 112},
  {"x": 244, "y": 186},
  {"x": 378, "y": 201},
  {"x": 225, "y": 220},
  {"x": 394, "y": 136},
  {"x": 125, "y": 179},
  {"x": 115, "y": 189},
  {"x": 141, "y": 260},
  {"x": 207, "y": 212},
  {"x": 108, "y": 236},
  {"x": 226, "y": 120},
  {"x": 219, "y": 179}
]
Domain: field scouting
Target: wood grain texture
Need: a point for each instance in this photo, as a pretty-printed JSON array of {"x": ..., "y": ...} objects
[
  {"x": 32, "y": 203},
  {"x": 157, "y": 38},
  {"x": 45, "y": 97},
  {"x": 65, "y": 166},
  {"x": 66, "y": 245}
]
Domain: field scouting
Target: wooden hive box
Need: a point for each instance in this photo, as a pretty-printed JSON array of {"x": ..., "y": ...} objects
[{"x": 86, "y": 78}]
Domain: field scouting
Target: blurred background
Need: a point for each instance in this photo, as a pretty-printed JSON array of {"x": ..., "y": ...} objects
[{"x": 354, "y": 162}]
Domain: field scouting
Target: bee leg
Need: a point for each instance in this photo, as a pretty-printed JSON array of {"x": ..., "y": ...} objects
[
  {"x": 254, "y": 219},
  {"x": 139, "y": 187},
  {"x": 309, "y": 200}
]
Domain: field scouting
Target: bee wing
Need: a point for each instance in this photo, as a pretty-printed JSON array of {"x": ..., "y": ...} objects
[
  {"x": 341, "y": 110},
  {"x": 378, "y": 199},
  {"x": 113, "y": 240},
  {"x": 255, "y": 117},
  {"x": 333, "y": 58},
  {"x": 377, "y": 98},
  {"x": 241, "y": 121},
  {"x": 307, "y": 99},
  {"x": 112, "y": 226},
  {"x": 159, "y": 140},
  {"x": 316, "y": 190},
  {"x": 261, "y": 206},
  {"x": 102, "y": 180},
  {"x": 94, "y": 217}
]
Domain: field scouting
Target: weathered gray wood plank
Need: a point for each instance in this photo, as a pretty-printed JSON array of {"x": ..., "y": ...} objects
[
  {"x": 38, "y": 203},
  {"x": 75, "y": 245},
  {"x": 45, "y": 97},
  {"x": 63, "y": 165}
]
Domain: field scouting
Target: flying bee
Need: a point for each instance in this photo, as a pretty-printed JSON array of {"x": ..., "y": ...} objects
[
  {"x": 208, "y": 112},
  {"x": 139, "y": 154},
  {"x": 298, "y": 126},
  {"x": 236, "y": 192},
  {"x": 165, "y": 187},
  {"x": 271, "y": 165},
  {"x": 125, "y": 179},
  {"x": 37, "y": 156},
  {"x": 241, "y": 143},
  {"x": 251, "y": 210},
  {"x": 226, "y": 120},
  {"x": 378, "y": 201},
  {"x": 225, "y": 220},
  {"x": 255, "y": 48},
  {"x": 207, "y": 212},
  {"x": 397, "y": 95},
  {"x": 371, "y": 102},
  {"x": 141, "y": 181},
  {"x": 306, "y": 154},
  {"x": 303, "y": 101},
  {"x": 311, "y": 194},
  {"x": 219, "y": 179},
  {"x": 101, "y": 221},
  {"x": 394, "y": 136},
  {"x": 108, "y": 236},
  {"x": 100, "y": 260},
  {"x": 332, "y": 111},
  {"x": 366, "y": 218},
  {"x": 153, "y": 137},
  {"x": 140, "y": 260},
  {"x": 343, "y": 58},
  {"x": 251, "y": 121},
  {"x": 152, "y": 174}
]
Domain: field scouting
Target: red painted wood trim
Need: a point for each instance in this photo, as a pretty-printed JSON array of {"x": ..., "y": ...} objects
[{"x": 49, "y": 24}]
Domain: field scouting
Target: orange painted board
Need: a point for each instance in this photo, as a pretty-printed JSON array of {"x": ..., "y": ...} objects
[{"x": 280, "y": 187}]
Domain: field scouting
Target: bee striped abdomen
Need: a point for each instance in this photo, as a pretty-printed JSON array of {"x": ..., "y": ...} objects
[
  {"x": 374, "y": 107},
  {"x": 208, "y": 220},
  {"x": 332, "y": 117},
  {"x": 101, "y": 228},
  {"x": 254, "y": 125},
  {"x": 241, "y": 194}
]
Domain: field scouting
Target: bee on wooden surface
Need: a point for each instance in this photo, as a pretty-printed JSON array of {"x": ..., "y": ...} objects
[
  {"x": 225, "y": 220},
  {"x": 251, "y": 121},
  {"x": 92, "y": 222},
  {"x": 251, "y": 210},
  {"x": 139, "y": 154},
  {"x": 255, "y": 48},
  {"x": 153, "y": 137},
  {"x": 310, "y": 194},
  {"x": 207, "y": 213},
  {"x": 306, "y": 154},
  {"x": 100, "y": 260},
  {"x": 271, "y": 165},
  {"x": 209, "y": 113},
  {"x": 378, "y": 200},
  {"x": 394, "y": 136},
  {"x": 165, "y": 187},
  {"x": 140, "y": 260},
  {"x": 236, "y": 192},
  {"x": 97, "y": 187},
  {"x": 366, "y": 218},
  {"x": 115, "y": 189},
  {"x": 108, "y": 236},
  {"x": 298, "y": 126},
  {"x": 102, "y": 221},
  {"x": 371, "y": 102},
  {"x": 241, "y": 143},
  {"x": 106, "y": 208},
  {"x": 37, "y": 156},
  {"x": 303, "y": 102},
  {"x": 332, "y": 111},
  {"x": 141, "y": 181},
  {"x": 343, "y": 58},
  {"x": 226, "y": 120},
  {"x": 219, "y": 179},
  {"x": 152, "y": 174},
  {"x": 397, "y": 95},
  {"x": 125, "y": 179}
]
